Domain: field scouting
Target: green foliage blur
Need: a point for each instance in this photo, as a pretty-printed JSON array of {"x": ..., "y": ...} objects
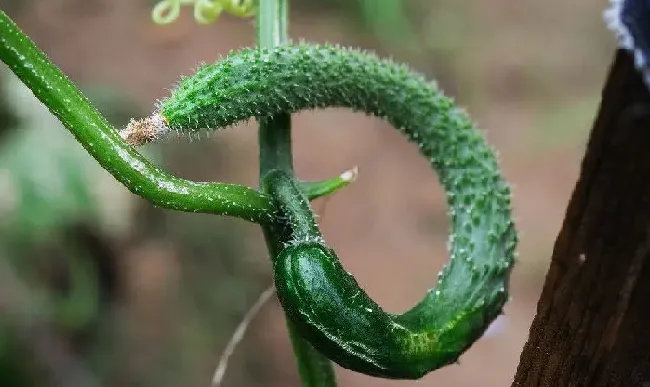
[{"x": 52, "y": 237}]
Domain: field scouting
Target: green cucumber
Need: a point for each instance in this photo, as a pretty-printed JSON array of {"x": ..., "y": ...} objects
[
  {"x": 334, "y": 314},
  {"x": 324, "y": 301}
]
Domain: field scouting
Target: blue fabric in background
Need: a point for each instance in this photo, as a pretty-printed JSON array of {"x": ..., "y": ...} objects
[{"x": 630, "y": 19}]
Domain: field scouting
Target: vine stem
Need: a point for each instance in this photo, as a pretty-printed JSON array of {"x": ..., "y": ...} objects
[
  {"x": 315, "y": 369},
  {"x": 62, "y": 97}
]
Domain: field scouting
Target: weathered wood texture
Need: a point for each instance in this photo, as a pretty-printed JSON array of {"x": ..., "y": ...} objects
[{"x": 592, "y": 326}]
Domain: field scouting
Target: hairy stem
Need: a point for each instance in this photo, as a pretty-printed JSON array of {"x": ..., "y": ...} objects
[
  {"x": 103, "y": 143},
  {"x": 315, "y": 370}
]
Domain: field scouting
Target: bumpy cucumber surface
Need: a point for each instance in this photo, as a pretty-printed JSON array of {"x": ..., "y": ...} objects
[
  {"x": 343, "y": 322},
  {"x": 334, "y": 314}
]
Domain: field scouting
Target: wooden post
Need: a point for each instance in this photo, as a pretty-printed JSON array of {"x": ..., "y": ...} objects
[{"x": 592, "y": 326}]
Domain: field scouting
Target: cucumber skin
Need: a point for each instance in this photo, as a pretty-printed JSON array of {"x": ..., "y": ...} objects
[
  {"x": 472, "y": 287},
  {"x": 340, "y": 320}
]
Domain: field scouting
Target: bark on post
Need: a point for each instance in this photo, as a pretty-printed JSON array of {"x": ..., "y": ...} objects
[{"x": 592, "y": 326}]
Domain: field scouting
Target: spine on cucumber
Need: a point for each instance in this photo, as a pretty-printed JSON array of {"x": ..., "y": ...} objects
[{"x": 326, "y": 302}]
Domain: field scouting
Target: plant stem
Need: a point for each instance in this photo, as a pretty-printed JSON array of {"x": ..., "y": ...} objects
[
  {"x": 104, "y": 144},
  {"x": 275, "y": 132},
  {"x": 275, "y": 153},
  {"x": 275, "y": 143}
]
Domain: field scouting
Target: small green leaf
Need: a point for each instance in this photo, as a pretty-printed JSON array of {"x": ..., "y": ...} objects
[{"x": 317, "y": 189}]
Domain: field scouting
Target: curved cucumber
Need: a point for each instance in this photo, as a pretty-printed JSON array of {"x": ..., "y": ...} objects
[
  {"x": 335, "y": 315},
  {"x": 343, "y": 322}
]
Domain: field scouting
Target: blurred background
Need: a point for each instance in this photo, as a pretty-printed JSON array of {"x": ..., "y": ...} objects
[{"x": 98, "y": 288}]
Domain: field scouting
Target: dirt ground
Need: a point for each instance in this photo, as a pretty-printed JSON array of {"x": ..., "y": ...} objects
[{"x": 529, "y": 73}]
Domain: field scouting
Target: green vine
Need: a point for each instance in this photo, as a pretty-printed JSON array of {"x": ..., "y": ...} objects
[
  {"x": 329, "y": 316},
  {"x": 103, "y": 142}
]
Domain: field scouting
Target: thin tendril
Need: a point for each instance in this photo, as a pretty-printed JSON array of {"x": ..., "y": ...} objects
[{"x": 205, "y": 11}]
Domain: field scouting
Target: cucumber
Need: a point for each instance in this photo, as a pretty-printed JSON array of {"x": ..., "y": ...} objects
[
  {"x": 320, "y": 297},
  {"x": 340, "y": 320}
]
